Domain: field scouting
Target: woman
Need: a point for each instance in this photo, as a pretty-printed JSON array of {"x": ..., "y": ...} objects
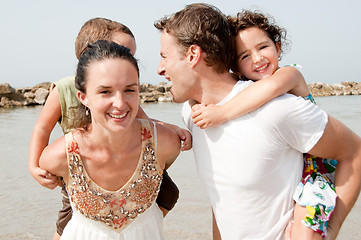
[{"x": 112, "y": 163}]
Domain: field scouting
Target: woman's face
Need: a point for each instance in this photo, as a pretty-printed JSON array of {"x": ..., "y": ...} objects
[
  {"x": 257, "y": 55},
  {"x": 112, "y": 92}
]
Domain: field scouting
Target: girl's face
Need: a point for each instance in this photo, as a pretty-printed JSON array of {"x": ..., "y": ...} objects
[
  {"x": 257, "y": 55},
  {"x": 112, "y": 91}
]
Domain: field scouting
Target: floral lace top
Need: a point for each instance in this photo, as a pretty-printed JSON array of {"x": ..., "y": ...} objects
[{"x": 115, "y": 209}]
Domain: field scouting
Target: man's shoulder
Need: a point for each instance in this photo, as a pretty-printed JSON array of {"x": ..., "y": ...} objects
[
  {"x": 288, "y": 107},
  {"x": 281, "y": 108},
  {"x": 242, "y": 84},
  {"x": 286, "y": 100}
]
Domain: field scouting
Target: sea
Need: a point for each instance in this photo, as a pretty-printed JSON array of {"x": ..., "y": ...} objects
[{"x": 29, "y": 211}]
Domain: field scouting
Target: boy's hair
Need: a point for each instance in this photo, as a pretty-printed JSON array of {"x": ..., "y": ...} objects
[
  {"x": 98, "y": 29},
  {"x": 96, "y": 52},
  {"x": 247, "y": 19},
  {"x": 205, "y": 26}
]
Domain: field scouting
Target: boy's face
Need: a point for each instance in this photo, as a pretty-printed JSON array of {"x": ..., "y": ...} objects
[
  {"x": 257, "y": 55},
  {"x": 126, "y": 40}
]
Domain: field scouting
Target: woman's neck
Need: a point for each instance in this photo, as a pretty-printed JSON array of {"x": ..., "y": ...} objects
[{"x": 98, "y": 137}]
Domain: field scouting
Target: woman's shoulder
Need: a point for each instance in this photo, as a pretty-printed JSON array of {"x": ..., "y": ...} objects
[
  {"x": 53, "y": 158},
  {"x": 169, "y": 144}
]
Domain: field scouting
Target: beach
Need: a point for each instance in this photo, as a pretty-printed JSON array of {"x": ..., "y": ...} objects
[{"x": 29, "y": 211}]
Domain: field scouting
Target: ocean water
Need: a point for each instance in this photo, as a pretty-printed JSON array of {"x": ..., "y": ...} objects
[{"x": 29, "y": 211}]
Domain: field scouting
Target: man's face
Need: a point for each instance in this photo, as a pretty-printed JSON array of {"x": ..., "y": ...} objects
[{"x": 175, "y": 68}]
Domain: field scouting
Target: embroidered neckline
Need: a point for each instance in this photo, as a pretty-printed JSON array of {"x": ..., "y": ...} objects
[
  {"x": 116, "y": 209},
  {"x": 129, "y": 180}
]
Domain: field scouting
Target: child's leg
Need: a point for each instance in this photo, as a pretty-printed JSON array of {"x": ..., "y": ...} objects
[
  {"x": 64, "y": 214},
  {"x": 168, "y": 194},
  {"x": 56, "y": 236},
  {"x": 299, "y": 230},
  {"x": 315, "y": 196}
]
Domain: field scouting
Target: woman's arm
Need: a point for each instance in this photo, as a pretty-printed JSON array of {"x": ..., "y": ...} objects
[
  {"x": 54, "y": 159},
  {"x": 284, "y": 80},
  {"x": 49, "y": 116},
  {"x": 184, "y": 135},
  {"x": 168, "y": 145}
]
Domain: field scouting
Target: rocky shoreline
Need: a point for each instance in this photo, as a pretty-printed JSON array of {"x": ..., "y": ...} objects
[{"x": 30, "y": 96}]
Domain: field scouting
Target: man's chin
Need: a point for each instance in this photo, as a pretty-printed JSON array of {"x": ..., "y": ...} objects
[{"x": 177, "y": 100}]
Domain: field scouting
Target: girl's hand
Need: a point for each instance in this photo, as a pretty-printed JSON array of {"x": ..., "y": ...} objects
[
  {"x": 186, "y": 138},
  {"x": 45, "y": 178},
  {"x": 207, "y": 116}
]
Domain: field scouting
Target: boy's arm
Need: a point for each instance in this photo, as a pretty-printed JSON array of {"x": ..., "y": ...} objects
[
  {"x": 285, "y": 79},
  {"x": 49, "y": 116},
  {"x": 340, "y": 143}
]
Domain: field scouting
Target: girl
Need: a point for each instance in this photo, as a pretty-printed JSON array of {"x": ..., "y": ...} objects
[
  {"x": 112, "y": 163},
  {"x": 259, "y": 45}
]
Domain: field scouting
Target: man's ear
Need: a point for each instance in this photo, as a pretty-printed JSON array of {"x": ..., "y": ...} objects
[
  {"x": 194, "y": 54},
  {"x": 82, "y": 98}
]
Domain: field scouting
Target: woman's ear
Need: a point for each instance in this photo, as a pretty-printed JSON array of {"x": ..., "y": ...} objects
[
  {"x": 82, "y": 98},
  {"x": 194, "y": 54}
]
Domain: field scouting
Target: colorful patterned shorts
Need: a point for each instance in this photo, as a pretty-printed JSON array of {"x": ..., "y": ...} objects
[{"x": 316, "y": 192}]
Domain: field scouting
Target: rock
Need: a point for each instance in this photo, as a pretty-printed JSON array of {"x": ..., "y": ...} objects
[
  {"x": 335, "y": 89},
  {"x": 5, "y": 88},
  {"x": 165, "y": 99},
  {"x": 28, "y": 96},
  {"x": 45, "y": 85},
  {"x": 10, "y": 93},
  {"x": 40, "y": 95}
]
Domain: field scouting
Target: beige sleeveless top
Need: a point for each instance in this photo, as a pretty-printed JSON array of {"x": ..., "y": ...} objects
[{"x": 115, "y": 209}]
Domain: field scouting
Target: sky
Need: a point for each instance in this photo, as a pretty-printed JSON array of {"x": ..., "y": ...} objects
[{"x": 38, "y": 36}]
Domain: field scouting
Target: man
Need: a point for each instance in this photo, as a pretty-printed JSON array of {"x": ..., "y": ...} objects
[{"x": 251, "y": 165}]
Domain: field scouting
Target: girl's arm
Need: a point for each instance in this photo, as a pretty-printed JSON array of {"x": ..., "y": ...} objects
[
  {"x": 284, "y": 80},
  {"x": 49, "y": 116}
]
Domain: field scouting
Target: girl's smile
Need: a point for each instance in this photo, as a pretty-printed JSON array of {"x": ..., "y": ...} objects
[{"x": 257, "y": 54}]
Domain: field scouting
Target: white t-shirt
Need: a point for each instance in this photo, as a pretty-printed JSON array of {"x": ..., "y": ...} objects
[{"x": 251, "y": 165}]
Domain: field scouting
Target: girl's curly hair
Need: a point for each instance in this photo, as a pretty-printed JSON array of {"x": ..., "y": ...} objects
[{"x": 247, "y": 19}]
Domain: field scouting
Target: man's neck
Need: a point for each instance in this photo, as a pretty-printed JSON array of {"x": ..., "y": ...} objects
[{"x": 215, "y": 87}]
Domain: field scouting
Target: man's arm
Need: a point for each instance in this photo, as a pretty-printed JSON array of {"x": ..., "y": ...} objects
[{"x": 340, "y": 143}]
